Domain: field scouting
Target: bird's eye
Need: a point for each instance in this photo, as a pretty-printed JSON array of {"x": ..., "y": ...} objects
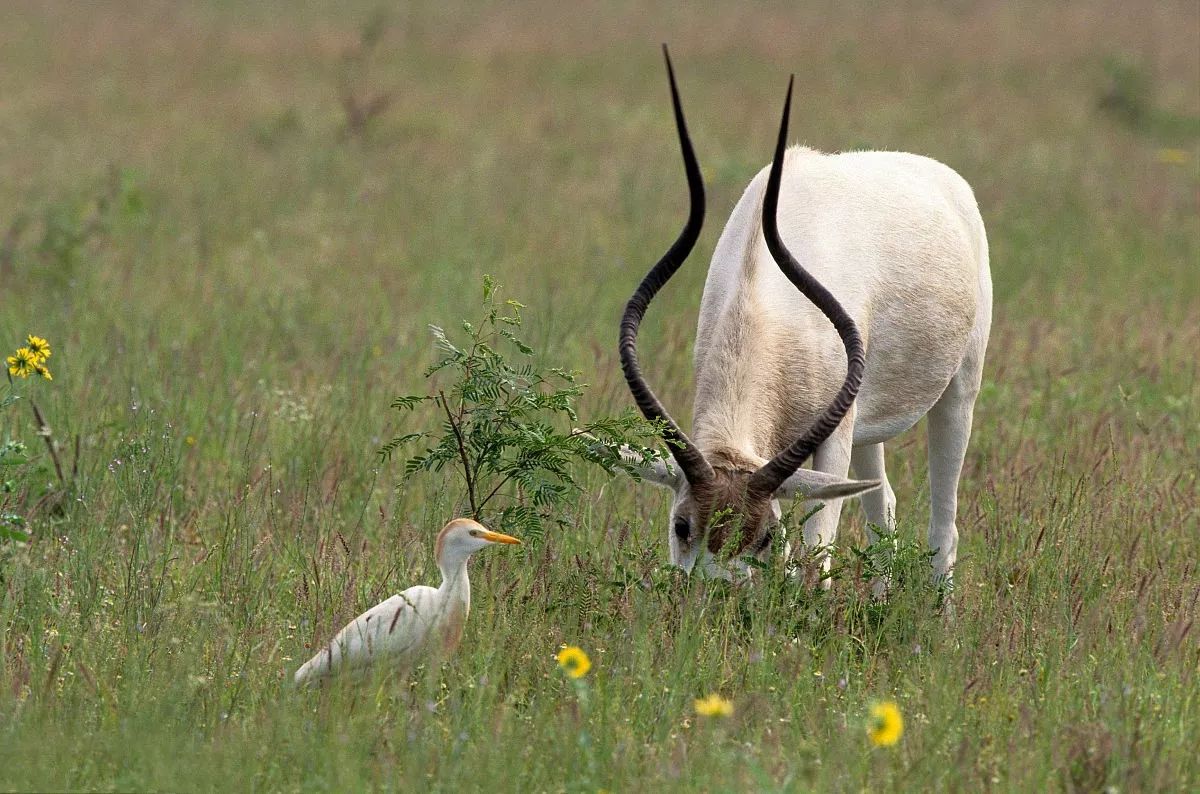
[
  {"x": 681, "y": 528},
  {"x": 474, "y": 533}
]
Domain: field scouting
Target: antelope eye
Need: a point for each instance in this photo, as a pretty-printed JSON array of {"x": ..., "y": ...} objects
[{"x": 681, "y": 528}]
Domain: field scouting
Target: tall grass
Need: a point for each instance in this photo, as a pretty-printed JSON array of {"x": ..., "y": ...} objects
[{"x": 227, "y": 346}]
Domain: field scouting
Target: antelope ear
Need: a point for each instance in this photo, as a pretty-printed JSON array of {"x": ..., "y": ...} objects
[
  {"x": 810, "y": 484},
  {"x": 658, "y": 471}
]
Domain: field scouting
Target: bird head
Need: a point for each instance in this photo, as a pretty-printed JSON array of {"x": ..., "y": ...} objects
[{"x": 462, "y": 537}]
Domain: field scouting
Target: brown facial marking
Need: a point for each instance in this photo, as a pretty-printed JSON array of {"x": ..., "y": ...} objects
[{"x": 735, "y": 520}]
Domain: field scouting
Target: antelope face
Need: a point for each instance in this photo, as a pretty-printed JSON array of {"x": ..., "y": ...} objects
[
  {"x": 716, "y": 524},
  {"x": 719, "y": 521}
]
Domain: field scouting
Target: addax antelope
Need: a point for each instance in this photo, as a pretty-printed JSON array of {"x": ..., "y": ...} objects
[{"x": 863, "y": 305}]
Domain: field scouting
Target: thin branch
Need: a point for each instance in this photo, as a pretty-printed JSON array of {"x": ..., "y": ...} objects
[
  {"x": 472, "y": 473},
  {"x": 540, "y": 448},
  {"x": 44, "y": 432},
  {"x": 462, "y": 452},
  {"x": 492, "y": 445},
  {"x": 499, "y": 485}
]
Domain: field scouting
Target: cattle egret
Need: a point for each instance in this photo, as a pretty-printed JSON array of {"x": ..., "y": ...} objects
[{"x": 420, "y": 621}]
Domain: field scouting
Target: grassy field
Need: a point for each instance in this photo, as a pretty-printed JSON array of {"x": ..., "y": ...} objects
[{"x": 237, "y": 280}]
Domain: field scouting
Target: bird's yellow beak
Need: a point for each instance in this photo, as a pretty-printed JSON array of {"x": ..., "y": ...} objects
[{"x": 498, "y": 537}]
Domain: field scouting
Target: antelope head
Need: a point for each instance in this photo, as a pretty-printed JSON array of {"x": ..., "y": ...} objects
[{"x": 721, "y": 511}]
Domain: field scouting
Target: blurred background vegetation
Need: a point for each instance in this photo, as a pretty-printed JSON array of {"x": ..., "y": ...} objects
[{"x": 235, "y": 222}]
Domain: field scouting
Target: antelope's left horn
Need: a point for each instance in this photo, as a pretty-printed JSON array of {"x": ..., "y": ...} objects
[
  {"x": 691, "y": 461},
  {"x": 767, "y": 479}
]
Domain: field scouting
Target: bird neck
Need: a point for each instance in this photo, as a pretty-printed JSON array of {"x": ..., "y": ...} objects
[{"x": 454, "y": 577}]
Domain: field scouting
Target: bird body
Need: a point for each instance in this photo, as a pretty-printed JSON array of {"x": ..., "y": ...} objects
[{"x": 421, "y": 621}]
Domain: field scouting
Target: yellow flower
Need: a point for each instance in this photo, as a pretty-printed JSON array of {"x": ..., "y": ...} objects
[
  {"x": 1174, "y": 156},
  {"x": 22, "y": 363},
  {"x": 190, "y": 441},
  {"x": 714, "y": 706},
  {"x": 44, "y": 371},
  {"x": 574, "y": 661},
  {"x": 885, "y": 725},
  {"x": 39, "y": 347}
]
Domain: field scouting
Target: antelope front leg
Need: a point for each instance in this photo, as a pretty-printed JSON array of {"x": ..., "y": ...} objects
[
  {"x": 879, "y": 505},
  {"x": 820, "y": 531}
]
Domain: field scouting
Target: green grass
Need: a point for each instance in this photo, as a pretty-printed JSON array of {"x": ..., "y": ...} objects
[{"x": 262, "y": 286}]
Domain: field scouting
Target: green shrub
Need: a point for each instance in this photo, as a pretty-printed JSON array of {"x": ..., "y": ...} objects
[{"x": 508, "y": 423}]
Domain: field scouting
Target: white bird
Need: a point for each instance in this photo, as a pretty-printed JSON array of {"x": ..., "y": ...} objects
[{"x": 421, "y": 620}]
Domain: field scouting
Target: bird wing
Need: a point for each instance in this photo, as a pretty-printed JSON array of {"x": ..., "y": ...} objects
[{"x": 394, "y": 630}]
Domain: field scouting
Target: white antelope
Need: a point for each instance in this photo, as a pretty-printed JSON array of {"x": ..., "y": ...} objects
[{"x": 895, "y": 258}]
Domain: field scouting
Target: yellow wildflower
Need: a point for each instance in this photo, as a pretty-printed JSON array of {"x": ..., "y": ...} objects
[
  {"x": 885, "y": 725},
  {"x": 714, "y": 706},
  {"x": 574, "y": 661},
  {"x": 1174, "y": 156},
  {"x": 44, "y": 371},
  {"x": 22, "y": 363},
  {"x": 39, "y": 347}
]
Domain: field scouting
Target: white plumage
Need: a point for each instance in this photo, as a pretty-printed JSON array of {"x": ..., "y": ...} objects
[{"x": 417, "y": 622}]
